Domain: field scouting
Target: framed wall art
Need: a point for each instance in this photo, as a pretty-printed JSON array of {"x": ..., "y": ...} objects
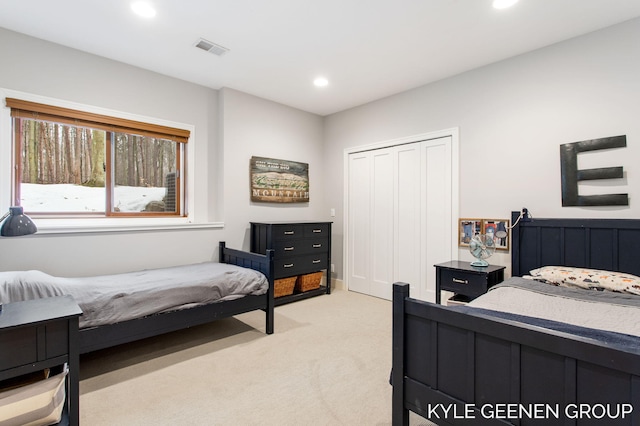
[
  {"x": 498, "y": 228},
  {"x": 279, "y": 181},
  {"x": 467, "y": 228}
]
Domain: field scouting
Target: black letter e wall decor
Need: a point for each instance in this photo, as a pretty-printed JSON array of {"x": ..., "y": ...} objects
[{"x": 571, "y": 175}]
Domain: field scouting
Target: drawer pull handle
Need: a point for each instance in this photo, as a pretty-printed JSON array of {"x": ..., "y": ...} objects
[
  {"x": 289, "y": 265},
  {"x": 289, "y": 248},
  {"x": 289, "y": 232},
  {"x": 317, "y": 231},
  {"x": 455, "y": 280},
  {"x": 317, "y": 245},
  {"x": 317, "y": 261}
]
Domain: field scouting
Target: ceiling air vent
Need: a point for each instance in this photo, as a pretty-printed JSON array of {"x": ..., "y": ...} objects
[{"x": 210, "y": 47}]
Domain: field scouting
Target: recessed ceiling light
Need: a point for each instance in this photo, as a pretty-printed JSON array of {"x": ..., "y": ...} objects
[
  {"x": 143, "y": 9},
  {"x": 503, "y": 4},
  {"x": 320, "y": 82}
]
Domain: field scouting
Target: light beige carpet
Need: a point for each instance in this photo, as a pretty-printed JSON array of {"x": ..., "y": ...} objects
[{"x": 328, "y": 363}]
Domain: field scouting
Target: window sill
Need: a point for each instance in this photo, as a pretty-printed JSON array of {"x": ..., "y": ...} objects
[{"x": 100, "y": 225}]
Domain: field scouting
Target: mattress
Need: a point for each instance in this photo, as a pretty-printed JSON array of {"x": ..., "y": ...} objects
[
  {"x": 108, "y": 299},
  {"x": 602, "y": 310}
]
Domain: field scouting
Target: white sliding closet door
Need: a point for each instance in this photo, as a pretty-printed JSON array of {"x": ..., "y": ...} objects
[
  {"x": 372, "y": 222},
  {"x": 399, "y": 217},
  {"x": 358, "y": 221},
  {"x": 407, "y": 203},
  {"x": 439, "y": 223}
]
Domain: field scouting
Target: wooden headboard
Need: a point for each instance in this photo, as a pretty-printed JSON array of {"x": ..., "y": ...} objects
[{"x": 608, "y": 244}]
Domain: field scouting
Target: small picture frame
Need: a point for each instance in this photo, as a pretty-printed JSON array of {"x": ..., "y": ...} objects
[
  {"x": 499, "y": 227},
  {"x": 467, "y": 228}
]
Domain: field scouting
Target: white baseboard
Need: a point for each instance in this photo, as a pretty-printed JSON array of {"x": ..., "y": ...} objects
[{"x": 338, "y": 284}]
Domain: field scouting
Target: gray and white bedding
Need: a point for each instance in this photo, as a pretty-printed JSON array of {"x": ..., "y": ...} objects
[
  {"x": 108, "y": 299},
  {"x": 602, "y": 310}
]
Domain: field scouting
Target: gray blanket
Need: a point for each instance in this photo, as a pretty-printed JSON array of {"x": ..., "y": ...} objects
[
  {"x": 601, "y": 310},
  {"x": 107, "y": 299},
  {"x": 622, "y": 341},
  {"x": 574, "y": 293}
]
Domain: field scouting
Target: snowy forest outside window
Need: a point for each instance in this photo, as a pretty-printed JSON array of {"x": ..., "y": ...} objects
[{"x": 68, "y": 163}]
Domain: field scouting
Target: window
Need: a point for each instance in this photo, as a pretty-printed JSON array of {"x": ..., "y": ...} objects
[{"x": 69, "y": 162}]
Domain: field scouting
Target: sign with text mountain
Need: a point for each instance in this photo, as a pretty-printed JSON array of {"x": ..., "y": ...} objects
[{"x": 279, "y": 181}]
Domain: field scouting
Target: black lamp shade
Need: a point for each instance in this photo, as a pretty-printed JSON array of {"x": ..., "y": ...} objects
[{"x": 17, "y": 224}]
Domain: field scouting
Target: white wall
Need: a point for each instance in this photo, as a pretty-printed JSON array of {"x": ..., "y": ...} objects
[
  {"x": 254, "y": 126},
  {"x": 229, "y": 128},
  {"x": 512, "y": 117}
]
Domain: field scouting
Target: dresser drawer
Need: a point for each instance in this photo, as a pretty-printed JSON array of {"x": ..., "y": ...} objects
[
  {"x": 463, "y": 282},
  {"x": 287, "y": 232},
  {"x": 299, "y": 265},
  {"x": 312, "y": 230},
  {"x": 290, "y": 248}
]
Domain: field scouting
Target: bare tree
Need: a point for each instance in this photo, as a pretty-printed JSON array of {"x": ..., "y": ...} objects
[{"x": 97, "y": 160}]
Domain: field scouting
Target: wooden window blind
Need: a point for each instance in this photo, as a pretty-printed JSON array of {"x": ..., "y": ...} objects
[{"x": 33, "y": 110}]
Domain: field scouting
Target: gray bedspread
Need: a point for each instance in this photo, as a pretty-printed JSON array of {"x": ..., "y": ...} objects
[
  {"x": 569, "y": 292},
  {"x": 622, "y": 341},
  {"x": 108, "y": 299},
  {"x": 599, "y": 310}
]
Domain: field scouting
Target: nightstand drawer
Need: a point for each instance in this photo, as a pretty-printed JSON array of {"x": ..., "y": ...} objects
[
  {"x": 33, "y": 344},
  {"x": 463, "y": 282},
  {"x": 21, "y": 347},
  {"x": 465, "y": 279}
]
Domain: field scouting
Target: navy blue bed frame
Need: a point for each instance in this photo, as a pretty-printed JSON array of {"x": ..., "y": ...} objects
[
  {"x": 95, "y": 338},
  {"x": 467, "y": 361},
  {"x": 607, "y": 244}
]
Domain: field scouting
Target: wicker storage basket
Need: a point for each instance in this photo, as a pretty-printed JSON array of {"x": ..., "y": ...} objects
[
  {"x": 284, "y": 286},
  {"x": 308, "y": 282}
]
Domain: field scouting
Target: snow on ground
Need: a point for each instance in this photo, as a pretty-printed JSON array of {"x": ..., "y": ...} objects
[{"x": 77, "y": 198}]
